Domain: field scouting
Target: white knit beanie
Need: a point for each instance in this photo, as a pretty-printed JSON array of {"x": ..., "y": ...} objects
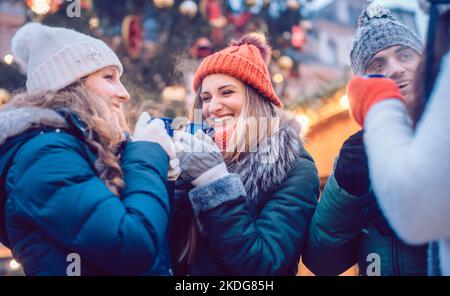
[{"x": 54, "y": 58}]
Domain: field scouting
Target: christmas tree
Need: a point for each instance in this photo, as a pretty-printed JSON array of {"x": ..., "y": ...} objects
[{"x": 161, "y": 42}]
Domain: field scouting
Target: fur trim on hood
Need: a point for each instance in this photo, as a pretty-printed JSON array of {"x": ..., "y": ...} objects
[
  {"x": 264, "y": 170},
  {"x": 14, "y": 121}
]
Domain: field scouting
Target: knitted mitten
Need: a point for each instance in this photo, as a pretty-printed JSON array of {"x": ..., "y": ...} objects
[{"x": 363, "y": 93}]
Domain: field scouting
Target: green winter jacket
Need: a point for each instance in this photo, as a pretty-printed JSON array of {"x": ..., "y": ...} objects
[
  {"x": 342, "y": 234},
  {"x": 254, "y": 221}
]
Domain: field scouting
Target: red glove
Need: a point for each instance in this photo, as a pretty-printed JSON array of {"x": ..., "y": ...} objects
[{"x": 363, "y": 93}]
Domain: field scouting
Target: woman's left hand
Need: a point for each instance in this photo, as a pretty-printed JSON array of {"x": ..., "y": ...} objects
[{"x": 200, "y": 159}]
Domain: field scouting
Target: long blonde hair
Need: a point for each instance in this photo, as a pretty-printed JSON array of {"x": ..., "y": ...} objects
[
  {"x": 245, "y": 135},
  {"x": 248, "y": 132},
  {"x": 103, "y": 137}
]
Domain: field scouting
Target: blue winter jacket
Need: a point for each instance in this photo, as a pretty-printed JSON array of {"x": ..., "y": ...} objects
[{"x": 57, "y": 205}]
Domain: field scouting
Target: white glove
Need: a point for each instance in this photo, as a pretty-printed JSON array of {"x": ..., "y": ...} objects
[
  {"x": 174, "y": 170},
  {"x": 200, "y": 159},
  {"x": 153, "y": 131}
]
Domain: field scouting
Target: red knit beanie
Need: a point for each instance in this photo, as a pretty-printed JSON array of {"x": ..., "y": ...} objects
[{"x": 247, "y": 60}]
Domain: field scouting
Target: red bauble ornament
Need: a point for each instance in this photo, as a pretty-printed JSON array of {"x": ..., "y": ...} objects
[
  {"x": 298, "y": 37},
  {"x": 132, "y": 35}
]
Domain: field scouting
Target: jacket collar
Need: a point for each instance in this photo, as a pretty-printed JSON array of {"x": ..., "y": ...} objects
[
  {"x": 14, "y": 121},
  {"x": 264, "y": 170}
]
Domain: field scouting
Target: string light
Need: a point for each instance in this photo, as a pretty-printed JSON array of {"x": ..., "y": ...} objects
[
  {"x": 277, "y": 78},
  {"x": 9, "y": 59},
  {"x": 40, "y": 7},
  {"x": 163, "y": 3},
  {"x": 94, "y": 23},
  {"x": 174, "y": 93},
  {"x": 188, "y": 8},
  {"x": 285, "y": 63},
  {"x": 303, "y": 120},
  {"x": 344, "y": 102},
  {"x": 14, "y": 265},
  {"x": 4, "y": 97}
]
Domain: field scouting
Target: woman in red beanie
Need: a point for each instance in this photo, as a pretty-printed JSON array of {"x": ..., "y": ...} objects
[{"x": 243, "y": 208}]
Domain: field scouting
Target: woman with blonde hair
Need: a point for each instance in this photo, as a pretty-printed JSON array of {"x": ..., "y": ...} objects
[
  {"x": 245, "y": 200},
  {"x": 75, "y": 187}
]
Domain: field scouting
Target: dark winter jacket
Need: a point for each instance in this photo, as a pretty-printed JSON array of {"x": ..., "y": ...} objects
[
  {"x": 347, "y": 229},
  {"x": 254, "y": 221},
  {"x": 56, "y": 204}
]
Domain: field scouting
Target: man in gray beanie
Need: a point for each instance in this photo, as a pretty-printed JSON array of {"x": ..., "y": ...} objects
[
  {"x": 348, "y": 227},
  {"x": 383, "y": 45}
]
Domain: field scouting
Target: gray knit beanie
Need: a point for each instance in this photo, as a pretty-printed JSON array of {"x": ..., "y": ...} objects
[
  {"x": 54, "y": 58},
  {"x": 378, "y": 30}
]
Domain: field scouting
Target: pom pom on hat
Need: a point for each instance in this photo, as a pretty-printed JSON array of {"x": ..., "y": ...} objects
[
  {"x": 373, "y": 11},
  {"x": 257, "y": 40}
]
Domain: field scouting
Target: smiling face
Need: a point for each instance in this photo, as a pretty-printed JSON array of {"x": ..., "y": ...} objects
[
  {"x": 398, "y": 63},
  {"x": 222, "y": 98},
  {"x": 106, "y": 84}
]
